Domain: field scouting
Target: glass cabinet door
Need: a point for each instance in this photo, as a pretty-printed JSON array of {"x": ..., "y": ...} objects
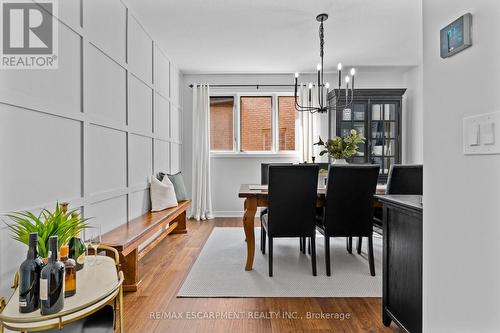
[
  {"x": 355, "y": 118},
  {"x": 384, "y": 135},
  {"x": 376, "y": 114}
]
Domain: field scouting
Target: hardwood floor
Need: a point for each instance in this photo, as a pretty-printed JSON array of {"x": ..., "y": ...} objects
[{"x": 155, "y": 308}]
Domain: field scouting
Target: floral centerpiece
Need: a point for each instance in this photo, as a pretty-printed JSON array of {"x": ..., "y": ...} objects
[{"x": 341, "y": 148}]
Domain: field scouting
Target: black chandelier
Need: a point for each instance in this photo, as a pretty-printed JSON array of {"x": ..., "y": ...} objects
[{"x": 321, "y": 105}]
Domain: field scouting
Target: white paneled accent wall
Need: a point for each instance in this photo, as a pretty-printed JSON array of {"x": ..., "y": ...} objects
[{"x": 93, "y": 131}]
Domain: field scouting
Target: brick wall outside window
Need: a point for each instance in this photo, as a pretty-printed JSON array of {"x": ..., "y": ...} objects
[
  {"x": 286, "y": 122},
  {"x": 256, "y": 126},
  {"x": 256, "y": 123},
  {"x": 221, "y": 123}
]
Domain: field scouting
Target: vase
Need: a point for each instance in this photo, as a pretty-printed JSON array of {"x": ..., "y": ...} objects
[{"x": 339, "y": 161}]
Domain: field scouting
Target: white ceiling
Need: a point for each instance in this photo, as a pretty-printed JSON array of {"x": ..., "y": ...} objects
[{"x": 221, "y": 36}]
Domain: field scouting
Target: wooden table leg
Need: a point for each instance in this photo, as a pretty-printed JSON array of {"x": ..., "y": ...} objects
[{"x": 248, "y": 225}]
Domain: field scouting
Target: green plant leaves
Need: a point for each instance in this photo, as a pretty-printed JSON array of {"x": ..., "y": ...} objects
[
  {"x": 319, "y": 143},
  {"x": 341, "y": 148},
  {"x": 64, "y": 225}
]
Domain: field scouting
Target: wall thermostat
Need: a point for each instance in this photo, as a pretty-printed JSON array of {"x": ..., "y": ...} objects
[{"x": 456, "y": 36}]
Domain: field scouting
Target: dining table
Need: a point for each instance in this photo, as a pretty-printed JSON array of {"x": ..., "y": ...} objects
[{"x": 257, "y": 196}]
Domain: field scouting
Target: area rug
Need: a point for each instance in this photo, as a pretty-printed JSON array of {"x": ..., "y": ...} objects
[{"x": 219, "y": 269}]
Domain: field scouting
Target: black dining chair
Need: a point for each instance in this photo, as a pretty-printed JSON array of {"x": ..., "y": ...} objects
[
  {"x": 264, "y": 171},
  {"x": 291, "y": 206},
  {"x": 264, "y": 180},
  {"x": 349, "y": 206},
  {"x": 402, "y": 179},
  {"x": 406, "y": 179},
  {"x": 322, "y": 166}
]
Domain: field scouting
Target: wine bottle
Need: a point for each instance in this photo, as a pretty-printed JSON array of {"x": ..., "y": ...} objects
[
  {"x": 77, "y": 248},
  {"x": 69, "y": 272},
  {"x": 29, "y": 278},
  {"x": 52, "y": 282}
]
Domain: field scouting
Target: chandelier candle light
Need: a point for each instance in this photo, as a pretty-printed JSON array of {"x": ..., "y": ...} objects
[{"x": 322, "y": 87}]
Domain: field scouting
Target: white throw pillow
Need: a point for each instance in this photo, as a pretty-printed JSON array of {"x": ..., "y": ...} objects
[{"x": 162, "y": 194}]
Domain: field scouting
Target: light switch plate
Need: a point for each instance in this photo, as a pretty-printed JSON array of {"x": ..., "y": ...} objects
[
  {"x": 488, "y": 133},
  {"x": 480, "y": 134},
  {"x": 473, "y": 135}
]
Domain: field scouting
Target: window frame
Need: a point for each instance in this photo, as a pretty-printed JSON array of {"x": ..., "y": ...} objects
[{"x": 274, "y": 152}]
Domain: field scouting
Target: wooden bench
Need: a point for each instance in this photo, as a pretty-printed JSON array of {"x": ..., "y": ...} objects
[{"x": 128, "y": 237}]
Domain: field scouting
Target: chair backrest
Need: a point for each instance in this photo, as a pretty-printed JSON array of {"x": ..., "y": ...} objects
[
  {"x": 323, "y": 166},
  {"x": 349, "y": 200},
  {"x": 264, "y": 171},
  {"x": 405, "y": 179},
  {"x": 293, "y": 192}
]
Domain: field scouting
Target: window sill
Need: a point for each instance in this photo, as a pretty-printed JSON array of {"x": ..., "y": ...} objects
[{"x": 293, "y": 154}]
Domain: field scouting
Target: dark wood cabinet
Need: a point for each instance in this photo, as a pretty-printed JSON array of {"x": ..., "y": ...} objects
[
  {"x": 402, "y": 261},
  {"x": 377, "y": 115}
]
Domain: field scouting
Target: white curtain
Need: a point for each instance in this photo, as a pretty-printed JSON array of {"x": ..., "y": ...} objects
[
  {"x": 201, "y": 206},
  {"x": 312, "y": 126}
]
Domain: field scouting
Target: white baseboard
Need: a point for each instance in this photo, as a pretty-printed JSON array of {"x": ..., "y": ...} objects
[{"x": 228, "y": 214}]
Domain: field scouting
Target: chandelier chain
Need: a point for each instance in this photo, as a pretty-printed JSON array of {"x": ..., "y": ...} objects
[{"x": 321, "y": 40}]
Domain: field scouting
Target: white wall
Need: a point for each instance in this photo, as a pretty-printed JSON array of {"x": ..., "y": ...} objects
[
  {"x": 413, "y": 145},
  {"x": 92, "y": 131},
  {"x": 461, "y": 193},
  {"x": 229, "y": 172}
]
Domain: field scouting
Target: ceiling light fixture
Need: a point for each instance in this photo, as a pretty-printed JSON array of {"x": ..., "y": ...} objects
[{"x": 321, "y": 105}]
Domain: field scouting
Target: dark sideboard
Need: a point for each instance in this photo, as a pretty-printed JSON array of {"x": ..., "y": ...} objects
[{"x": 402, "y": 261}]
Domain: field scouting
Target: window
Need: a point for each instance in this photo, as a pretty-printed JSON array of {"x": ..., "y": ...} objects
[
  {"x": 221, "y": 123},
  {"x": 256, "y": 123},
  {"x": 286, "y": 122},
  {"x": 253, "y": 123}
]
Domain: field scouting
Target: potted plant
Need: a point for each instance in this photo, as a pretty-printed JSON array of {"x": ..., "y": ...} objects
[
  {"x": 341, "y": 148},
  {"x": 61, "y": 223}
]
